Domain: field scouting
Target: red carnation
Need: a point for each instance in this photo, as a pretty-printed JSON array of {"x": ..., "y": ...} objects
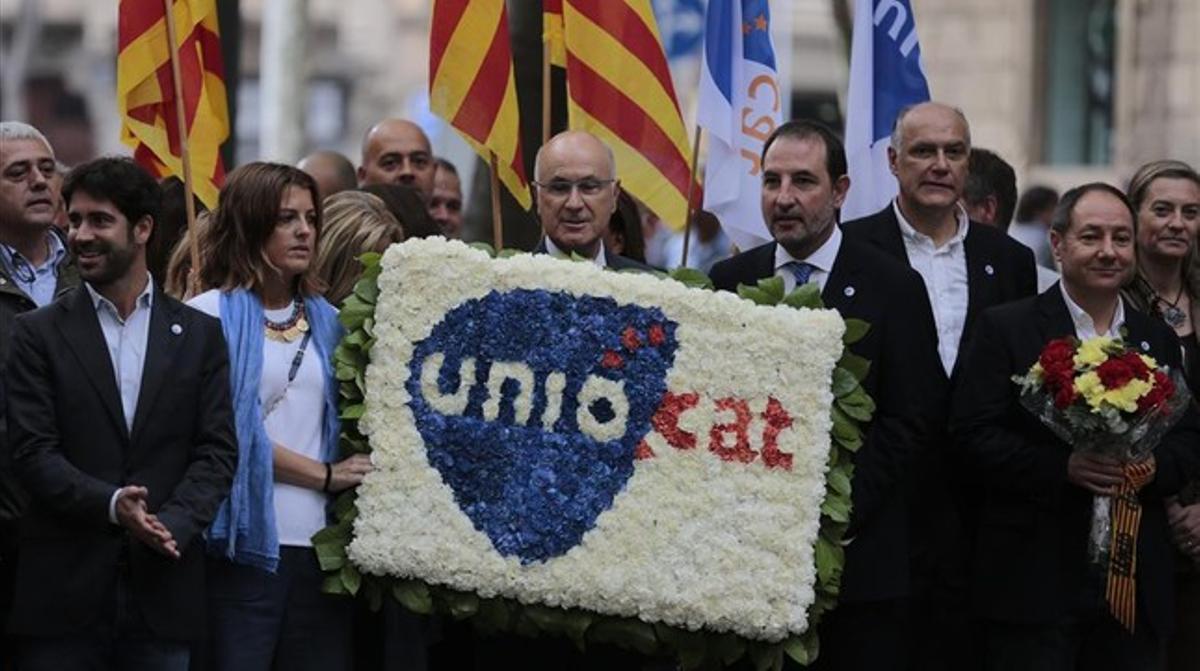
[
  {"x": 1117, "y": 372},
  {"x": 1064, "y": 396},
  {"x": 1158, "y": 395},
  {"x": 1058, "y": 358}
]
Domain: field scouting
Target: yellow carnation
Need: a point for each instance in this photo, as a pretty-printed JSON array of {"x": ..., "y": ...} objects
[{"x": 1091, "y": 353}]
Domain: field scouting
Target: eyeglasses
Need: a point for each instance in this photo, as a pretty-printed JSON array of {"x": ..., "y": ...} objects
[{"x": 561, "y": 188}]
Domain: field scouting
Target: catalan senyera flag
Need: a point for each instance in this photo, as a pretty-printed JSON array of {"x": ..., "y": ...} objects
[
  {"x": 619, "y": 88},
  {"x": 552, "y": 31},
  {"x": 146, "y": 90},
  {"x": 471, "y": 84}
]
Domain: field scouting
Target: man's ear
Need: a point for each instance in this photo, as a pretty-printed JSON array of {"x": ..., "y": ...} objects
[
  {"x": 841, "y": 187},
  {"x": 893, "y": 157},
  {"x": 142, "y": 229},
  {"x": 361, "y": 173}
]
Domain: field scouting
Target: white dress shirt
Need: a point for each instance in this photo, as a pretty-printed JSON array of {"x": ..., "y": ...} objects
[
  {"x": 1085, "y": 327},
  {"x": 599, "y": 259},
  {"x": 126, "y": 341},
  {"x": 45, "y": 276},
  {"x": 944, "y": 270},
  {"x": 821, "y": 260}
]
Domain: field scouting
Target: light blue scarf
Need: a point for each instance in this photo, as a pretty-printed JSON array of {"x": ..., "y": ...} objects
[{"x": 244, "y": 529}]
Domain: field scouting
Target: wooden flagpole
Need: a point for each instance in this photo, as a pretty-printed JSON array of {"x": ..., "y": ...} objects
[
  {"x": 546, "y": 91},
  {"x": 497, "y": 224},
  {"x": 691, "y": 202},
  {"x": 184, "y": 155}
]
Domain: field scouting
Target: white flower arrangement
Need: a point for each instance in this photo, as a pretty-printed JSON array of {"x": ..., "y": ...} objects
[{"x": 715, "y": 529}]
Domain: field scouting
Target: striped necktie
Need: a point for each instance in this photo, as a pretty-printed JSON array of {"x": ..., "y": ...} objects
[{"x": 801, "y": 271}]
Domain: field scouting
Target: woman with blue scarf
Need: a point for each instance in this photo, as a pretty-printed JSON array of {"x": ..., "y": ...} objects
[{"x": 266, "y": 609}]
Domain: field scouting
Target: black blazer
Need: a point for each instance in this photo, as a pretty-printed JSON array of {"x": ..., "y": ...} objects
[
  {"x": 1030, "y": 561},
  {"x": 71, "y": 448},
  {"x": 612, "y": 261},
  {"x": 999, "y": 269},
  {"x": 907, "y": 389}
]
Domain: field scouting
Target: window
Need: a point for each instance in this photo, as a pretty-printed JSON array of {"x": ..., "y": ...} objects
[{"x": 1079, "y": 43}]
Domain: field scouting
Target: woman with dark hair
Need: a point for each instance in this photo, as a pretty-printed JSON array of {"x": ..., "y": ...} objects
[
  {"x": 266, "y": 607},
  {"x": 1166, "y": 196}
]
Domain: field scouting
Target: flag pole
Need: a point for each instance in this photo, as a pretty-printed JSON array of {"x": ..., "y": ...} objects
[
  {"x": 546, "y": 91},
  {"x": 691, "y": 203},
  {"x": 497, "y": 224},
  {"x": 181, "y": 118}
]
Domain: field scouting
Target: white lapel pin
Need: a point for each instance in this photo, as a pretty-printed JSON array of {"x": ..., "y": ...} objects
[
  {"x": 989, "y": 269},
  {"x": 176, "y": 329},
  {"x": 1145, "y": 346},
  {"x": 849, "y": 291}
]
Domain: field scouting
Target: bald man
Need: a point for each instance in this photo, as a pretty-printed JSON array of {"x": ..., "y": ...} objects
[
  {"x": 333, "y": 172},
  {"x": 575, "y": 188},
  {"x": 398, "y": 151}
]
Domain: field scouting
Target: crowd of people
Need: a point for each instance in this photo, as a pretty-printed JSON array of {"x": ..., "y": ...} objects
[{"x": 169, "y": 424}]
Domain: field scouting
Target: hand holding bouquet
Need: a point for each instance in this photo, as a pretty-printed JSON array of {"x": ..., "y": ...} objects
[{"x": 1113, "y": 405}]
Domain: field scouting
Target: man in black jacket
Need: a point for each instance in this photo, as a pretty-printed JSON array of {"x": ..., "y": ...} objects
[
  {"x": 804, "y": 183},
  {"x": 121, "y": 430},
  {"x": 1041, "y": 600},
  {"x": 967, "y": 267}
]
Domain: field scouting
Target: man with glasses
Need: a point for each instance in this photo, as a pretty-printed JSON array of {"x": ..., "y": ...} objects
[
  {"x": 575, "y": 188},
  {"x": 35, "y": 269}
]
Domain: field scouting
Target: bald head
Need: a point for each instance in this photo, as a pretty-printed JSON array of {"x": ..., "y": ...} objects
[
  {"x": 334, "y": 173},
  {"x": 397, "y": 151},
  {"x": 576, "y": 190}
]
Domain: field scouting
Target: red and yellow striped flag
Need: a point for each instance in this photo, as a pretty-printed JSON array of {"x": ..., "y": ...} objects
[
  {"x": 620, "y": 89},
  {"x": 146, "y": 93},
  {"x": 471, "y": 84},
  {"x": 552, "y": 31}
]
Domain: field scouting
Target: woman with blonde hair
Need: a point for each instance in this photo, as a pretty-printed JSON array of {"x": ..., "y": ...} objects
[
  {"x": 355, "y": 223},
  {"x": 1166, "y": 197},
  {"x": 178, "y": 275},
  {"x": 266, "y": 608}
]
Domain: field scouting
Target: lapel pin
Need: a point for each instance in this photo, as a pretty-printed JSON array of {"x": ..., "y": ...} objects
[
  {"x": 989, "y": 269},
  {"x": 176, "y": 329},
  {"x": 1145, "y": 346},
  {"x": 849, "y": 291}
]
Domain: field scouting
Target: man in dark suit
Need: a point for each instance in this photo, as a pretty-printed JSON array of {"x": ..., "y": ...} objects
[
  {"x": 804, "y": 184},
  {"x": 1041, "y": 599},
  {"x": 967, "y": 267},
  {"x": 576, "y": 188},
  {"x": 121, "y": 429}
]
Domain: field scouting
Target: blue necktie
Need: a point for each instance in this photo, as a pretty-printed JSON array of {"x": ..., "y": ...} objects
[{"x": 801, "y": 271}]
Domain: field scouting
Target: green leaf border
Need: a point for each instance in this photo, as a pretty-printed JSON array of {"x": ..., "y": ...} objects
[{"x": 851, "y": 410}]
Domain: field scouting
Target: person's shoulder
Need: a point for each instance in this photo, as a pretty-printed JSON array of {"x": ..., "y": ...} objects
[
  {"x": 995, "y": 238},
  {"x": 208, "y": 303},
  {"x": 744, "y": 257},
  {"x": 618, "y": 262},
  {"x": 862, "y": 225},
  {"x": 884, "y": 267},
  {"x": 45, "y": 315}
]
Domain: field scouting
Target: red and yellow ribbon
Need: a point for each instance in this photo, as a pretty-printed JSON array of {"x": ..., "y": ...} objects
[{"x": 1121, "y": 591}]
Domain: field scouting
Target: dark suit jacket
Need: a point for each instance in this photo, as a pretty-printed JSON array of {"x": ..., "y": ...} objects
[
  {"x": 1030, "y": 560},
  {"x": 1012, "y": 273},
  {"x": 72, "y": 449},
  {"x": 612, "y": 261},
  {"x": 907, "y": 389}
]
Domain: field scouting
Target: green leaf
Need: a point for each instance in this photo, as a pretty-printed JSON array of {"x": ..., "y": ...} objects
[
  {"x": 493, "y": 615},
  {"x": 483, "y": 247},
  {"x": 839, "y": 481},
  {"x": 856, "y": 329},
  {"x": 333, "y": 585},
  {"x": 367, "y": 289},
  {"x": 343, "y": 508},
  {"x": 728, "y": 648},
  {"x": 351, "y": 578},
  {"x": 795, "y": 648},
  {"x": 413, "y": 595},
  {"x": 857, "y": 366},
  {"x": 355, "y": 339},
  {"x": 691, "y": 277},
  {"x": 509, "y": 252},
  {"x": 845, "y": 430},
  {"x": 331, "y": 557},
  {"x": 344, "y": 373},
  {"x": 773, "y": 287},
  {"x": 353, "y": 411},
  {"x": 368, "y": 326},
  {"x": 334, "y": 534},
  {"x": 843, "y": 383},
  {"x": 462, "y": 604},
  {"x": 837, "y": 508},
  {"x": 547, "y": 619},
  {"x": 575, "y": 623},
  {"x": 354, "y": 312},
  {"x": 830, "y": 559},
  {"x": 628, "y": 633},
  {"x": 767, "y": 657},
  {"x": 758, "y": 296},
  {"x": 856, "y": 408},
  {"x": 805, "y": 296},
  {"x": 371, "y": 261}
]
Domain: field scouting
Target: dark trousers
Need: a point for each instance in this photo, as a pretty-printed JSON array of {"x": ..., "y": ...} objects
[
  {"x": 868, "y": 636},
  {"x": 128, "y": 644},
  {"x": 1093, "y": 643},
  {"x": 260, "y": 621}
]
